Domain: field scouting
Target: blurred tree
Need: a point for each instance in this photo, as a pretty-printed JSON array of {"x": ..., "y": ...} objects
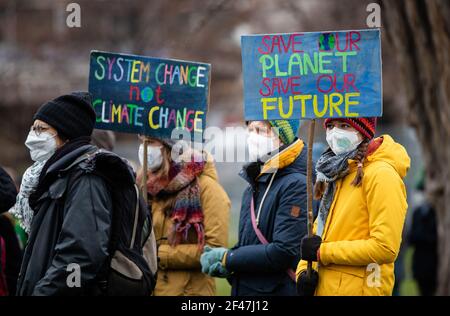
[
  {"x": 419, "y": 32},
  {"x": 39, "y": 63}
]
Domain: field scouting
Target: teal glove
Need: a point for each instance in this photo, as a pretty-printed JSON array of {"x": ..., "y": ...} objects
[
  {"x": 217, "y": 270},
  {"x": 211, "y": 256}
]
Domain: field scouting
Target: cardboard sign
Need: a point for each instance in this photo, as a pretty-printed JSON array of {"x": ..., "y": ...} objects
[
  {"x": 149, "y": 96},
  {"x": 312, "y": 75}
]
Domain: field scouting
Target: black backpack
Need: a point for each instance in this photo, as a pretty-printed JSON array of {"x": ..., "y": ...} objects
[{"x": 132, "y": 265}]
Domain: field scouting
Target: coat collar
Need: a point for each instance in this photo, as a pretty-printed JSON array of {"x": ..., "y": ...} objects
[
  {"x": 290, "y": 158},
  {"x": 66, "y": 162}
]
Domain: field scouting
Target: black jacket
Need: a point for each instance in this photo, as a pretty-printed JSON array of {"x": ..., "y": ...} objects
[
  {"x": 423, "y": 237},
  {"x": 70, "y": 232}
]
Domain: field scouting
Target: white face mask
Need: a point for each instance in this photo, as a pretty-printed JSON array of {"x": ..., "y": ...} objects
[
  {"x": 259, "y": 145},
  {"x": 41, "y": 146},
  {"x": 154, "y": 156},
  {"x": 342, "y": 141}
]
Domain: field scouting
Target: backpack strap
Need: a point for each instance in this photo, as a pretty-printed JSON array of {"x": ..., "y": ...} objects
[
  {"x": 102, "y": 276},
  {"x": 136, "y": 217},
  {"x": 261, "y": 237}
]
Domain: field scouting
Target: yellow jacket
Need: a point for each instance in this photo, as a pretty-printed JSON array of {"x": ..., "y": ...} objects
[
  {"x": 179, "y": 266},
  {"x": 362, "y": 234}
]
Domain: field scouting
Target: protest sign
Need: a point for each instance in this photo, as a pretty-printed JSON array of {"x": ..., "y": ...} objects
[
  {"x": 149, "y": 96},
  {"x": 312, "y": 75}
]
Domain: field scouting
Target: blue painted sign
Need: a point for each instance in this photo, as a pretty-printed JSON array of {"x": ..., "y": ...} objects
[
  {"x": 312, "y": 75},
  {"x": 149, "y": 96}
]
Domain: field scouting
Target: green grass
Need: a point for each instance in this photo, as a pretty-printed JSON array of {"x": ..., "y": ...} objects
[
  {"x": 223, "y": 288},
  {"x": 408, "y": 287}
]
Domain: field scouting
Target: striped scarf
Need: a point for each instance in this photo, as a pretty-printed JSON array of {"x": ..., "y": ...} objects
[
  {"x": 329, "y": 169},
  {"x": 22, "y": 210},
  {"x": 187, "y": 211}
]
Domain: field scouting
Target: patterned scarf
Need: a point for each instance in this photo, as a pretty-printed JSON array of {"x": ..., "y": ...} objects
[
  {"x": 22, "y": 210},
  {"x": 187, "y": 211},
  {"x": 45, "y": 178},
  {"x": 329, "y": 168}
]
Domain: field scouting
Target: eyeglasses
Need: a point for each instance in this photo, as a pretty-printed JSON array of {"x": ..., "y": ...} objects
[
  {"x": 259, "y": 130},
  {"x": 39, "y": 129}
]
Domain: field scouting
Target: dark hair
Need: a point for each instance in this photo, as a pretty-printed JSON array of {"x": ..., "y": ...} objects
[
  {"x": 62, "y": 137},
  {"x": 319, "y": 186}
]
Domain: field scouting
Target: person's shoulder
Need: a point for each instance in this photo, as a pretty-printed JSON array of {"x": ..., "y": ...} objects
[
  {"x": 379, "y": 167},
  {"x": 381, "y": 172},
  {"x": 206, "y": 182},
  {"x": 211, "y": 187},
  {"x": 209, "y": 177},
  {"x": 108, "y": 166},
  {"x": 8, "y": 191},
  {"x": 294, "y": 180}
]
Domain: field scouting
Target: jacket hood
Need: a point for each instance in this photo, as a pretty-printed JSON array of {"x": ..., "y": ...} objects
[
  {"x": 300, "y": 163},
  {"x": 210, "y": 167},
  {"x": 394, "y": 154},
  {"x": 110, "y": 166}
]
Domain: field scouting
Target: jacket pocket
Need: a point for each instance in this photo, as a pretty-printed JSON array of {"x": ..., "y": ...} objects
[
  {"x": 341, "y": 281},
  {"x": 350, "y": 285}
]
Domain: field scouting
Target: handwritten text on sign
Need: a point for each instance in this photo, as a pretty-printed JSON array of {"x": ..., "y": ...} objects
[
  {"x": 312, "y": 75},
  {"x": 149, "y": 96}
]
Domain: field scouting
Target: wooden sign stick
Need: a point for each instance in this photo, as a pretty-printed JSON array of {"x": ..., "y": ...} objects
[{"x": 309, "y": 187}]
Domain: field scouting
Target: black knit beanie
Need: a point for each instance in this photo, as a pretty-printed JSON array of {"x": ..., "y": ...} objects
[{"x": 72, "y": 115}]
